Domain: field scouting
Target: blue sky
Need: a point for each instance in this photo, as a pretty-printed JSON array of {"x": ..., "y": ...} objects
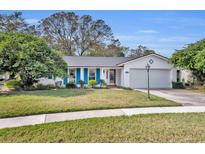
[{"x": 163, "y": 31}]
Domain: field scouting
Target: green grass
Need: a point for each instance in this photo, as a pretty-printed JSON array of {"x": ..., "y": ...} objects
[
  {"x": 199, "y": 91},
  {"x": 179, "y": 127},
  {"x": 62, "y": 100}
]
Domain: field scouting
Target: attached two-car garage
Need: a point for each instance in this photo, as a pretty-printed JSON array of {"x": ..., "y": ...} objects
[
  {"x": 159, "y": 78},
  {"x": 161, "y": 72}
]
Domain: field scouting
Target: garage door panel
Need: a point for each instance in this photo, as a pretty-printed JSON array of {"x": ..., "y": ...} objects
[{"x": 158, "y": 78}]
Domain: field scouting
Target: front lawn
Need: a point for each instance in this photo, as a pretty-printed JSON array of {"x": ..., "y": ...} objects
[
  {"x": 199, "y": 91},
  {"x": 179, "y": 127},
  {"x": 62, "y": 100}
]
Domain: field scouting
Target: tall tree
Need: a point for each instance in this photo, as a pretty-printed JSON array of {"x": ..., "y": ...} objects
[
  {"x": 140, "y": 51},
  {"x": 90, "y": 33},
  {"x": 58, "y": 30},
  {"x": 29, "y": 57},
  {"x": 72, "y": 34},
  {"x": 192, "y": 57},
  {"x": 15, "y": 23},
  {"x": 114, "y": 49}
]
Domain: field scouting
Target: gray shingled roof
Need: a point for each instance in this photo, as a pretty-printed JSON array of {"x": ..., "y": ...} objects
[{"x": 74, "y": 61}]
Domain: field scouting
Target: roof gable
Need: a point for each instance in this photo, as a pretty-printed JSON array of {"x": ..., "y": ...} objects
[{"x": 138, "y": 58}]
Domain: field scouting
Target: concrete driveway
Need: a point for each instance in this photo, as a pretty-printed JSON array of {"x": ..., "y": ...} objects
[{"x": 185, "y": 97}]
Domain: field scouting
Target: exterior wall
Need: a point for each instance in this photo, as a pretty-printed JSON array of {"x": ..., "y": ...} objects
[
  {"x": 103, "y": 74},
  {"x": 123, "y": 72},
  {"x": 118, "y": 77},
  {"x": 174, "y": 75},
  {"x": 82, "y": 74},
  {"x": 140, "y": 63},
  {"x": 46, "y": 81},
  {"x": 122, "y": 77},
  {"x": 186, "y": 75}
]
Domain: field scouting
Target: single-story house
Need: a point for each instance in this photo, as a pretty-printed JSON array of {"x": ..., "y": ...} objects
[{"x": 119, "y": 71}]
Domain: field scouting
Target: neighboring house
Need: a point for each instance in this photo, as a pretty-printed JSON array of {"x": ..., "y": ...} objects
[{"x": 119, "y": 71}]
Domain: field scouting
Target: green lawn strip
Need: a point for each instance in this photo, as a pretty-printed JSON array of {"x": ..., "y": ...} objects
[
  {"x": 199, "y": 91},
  {"x": 65, "y": 100},
  {"x": 178, "y": 127}
]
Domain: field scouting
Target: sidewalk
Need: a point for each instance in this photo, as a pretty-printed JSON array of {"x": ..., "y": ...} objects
[{"x": 54, "y": 117}]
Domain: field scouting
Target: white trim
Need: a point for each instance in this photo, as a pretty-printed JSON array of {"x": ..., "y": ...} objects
[
  {"x": 82, "y": 73},
  {"x": 150, "y": 68},
  {"x": 89, "y": 72},
  {"x": 69, "y": 74},
  {"x": 114, "y": 77},
  {"x": 161, "y": 57},
  {"x": 90, "y": 67}
]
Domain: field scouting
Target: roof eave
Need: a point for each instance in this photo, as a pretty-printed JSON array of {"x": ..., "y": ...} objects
[{"x": 160, "y": 56}]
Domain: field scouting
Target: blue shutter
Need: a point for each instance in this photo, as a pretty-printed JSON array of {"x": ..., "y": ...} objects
[
  {"x": 50, "y": 76},
  {"x": 98, "y": 76},
  {"x": 85, "y": 75},
  {"x": 65, "y": 81},
  {"x": 78, "y": 76}
]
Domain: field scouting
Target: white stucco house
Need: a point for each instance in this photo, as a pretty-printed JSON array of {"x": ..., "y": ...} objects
[{"x": 119, "y": 71}]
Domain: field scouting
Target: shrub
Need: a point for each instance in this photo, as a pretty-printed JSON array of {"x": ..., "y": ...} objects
[
  {"x": 178, "y": 85},
  {"x": 81, "y": 84},
  {"x": 13, "y": 84},
  {"x": 92, "y": 83},
  {"x": 71, "y": 85}
]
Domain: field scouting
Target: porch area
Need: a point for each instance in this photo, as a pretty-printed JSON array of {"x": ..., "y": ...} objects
[{"x": 111, "y": 76}]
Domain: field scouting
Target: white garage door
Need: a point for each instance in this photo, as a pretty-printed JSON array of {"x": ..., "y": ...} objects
[{"x": 158, "y": 78}]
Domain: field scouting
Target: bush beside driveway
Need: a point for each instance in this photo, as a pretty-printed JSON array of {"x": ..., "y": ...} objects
[{"x": 65, "y": 100}]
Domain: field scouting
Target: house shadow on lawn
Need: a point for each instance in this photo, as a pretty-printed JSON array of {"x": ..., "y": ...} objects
[{"x": 51, "y": 92}]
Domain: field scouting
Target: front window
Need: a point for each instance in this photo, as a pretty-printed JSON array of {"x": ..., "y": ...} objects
[
  {"x": 71, "y": 75},
  {"x": 91, "y": 74}
]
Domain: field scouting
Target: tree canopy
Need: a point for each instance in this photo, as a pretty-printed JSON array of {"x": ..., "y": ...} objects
[
  {"x": 29, "y": 57},
  {"x": 71, "y": 34},
  {"x": 15, "y": 23},
  {"x": 114, "y": 49},
  {"x": 192, "y": 57},
  {"x": 78, "y": 35},
  {"x": 140, "y": 51}
]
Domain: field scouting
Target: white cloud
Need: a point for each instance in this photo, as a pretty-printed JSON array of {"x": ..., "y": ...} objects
[
  {"x": 32, "y": 21},
  {"x": 176, "y": 39},
  {"x": 148, "y": 31}
]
